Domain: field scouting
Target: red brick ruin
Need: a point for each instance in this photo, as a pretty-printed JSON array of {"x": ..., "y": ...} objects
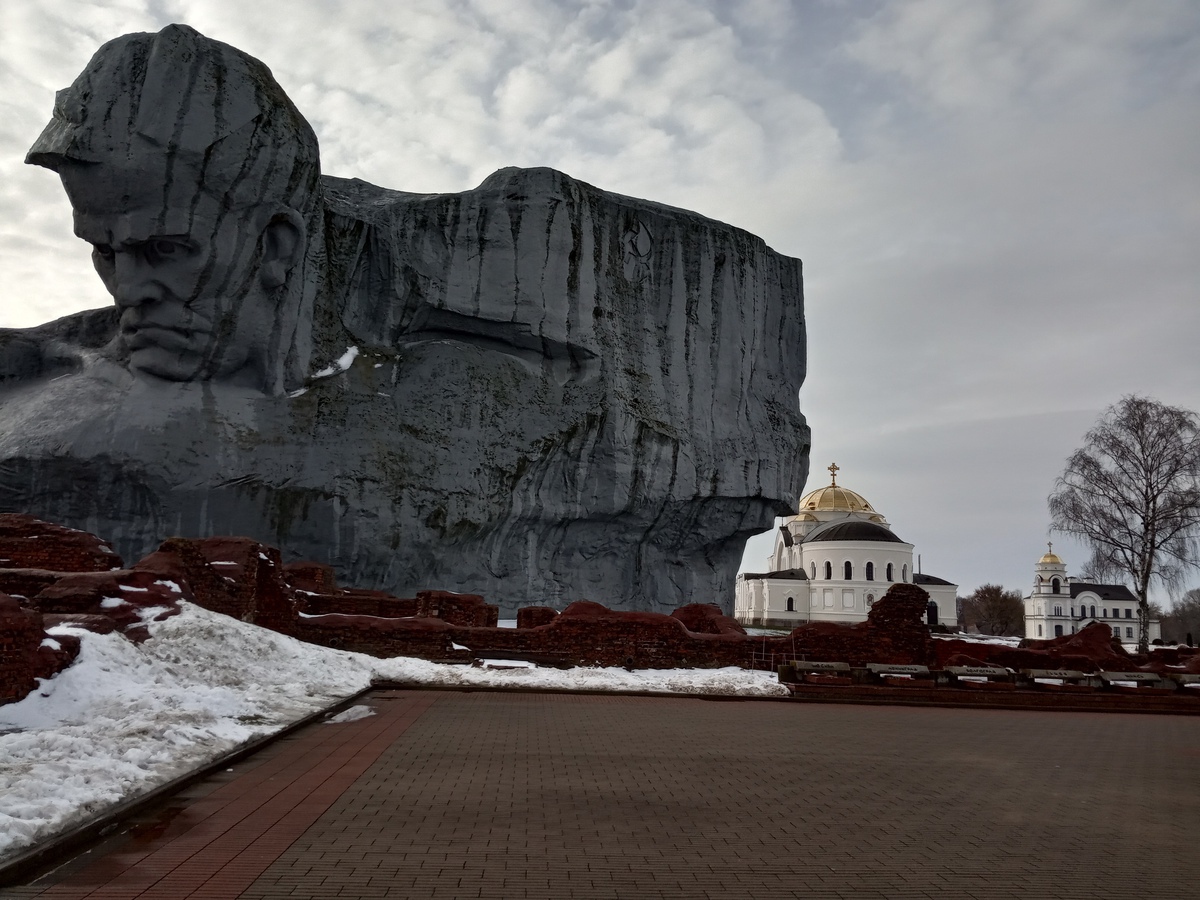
[{"x": 50, "y": 574}]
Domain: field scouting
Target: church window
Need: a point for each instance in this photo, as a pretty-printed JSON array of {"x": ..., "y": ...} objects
[
  {"x": 828, "y": 570},
  {"x": 904, "y": 572},
  {"x": 1054, "y": 585},
  {"x": 1128, "y": 632},
  {"x": 1058, "y": 631},
  {"x": 791, "y": 604},
  {"x": 1116, "y": 631},
  {"x": 812, "y": 567},
  {"x": 1129, "y": 612},
  {"x": 1039, "y": 631},
  {"x": 847, "y": 571},
  {"x": 1058, "y": 610},
  {"x": 1073, "y": 612},
  {"x": 870, "y": 571},
  {"x": 1104, "y": 613},
  {"x": 889, "y": 572},
  {"x": 1093, "y": 613}
]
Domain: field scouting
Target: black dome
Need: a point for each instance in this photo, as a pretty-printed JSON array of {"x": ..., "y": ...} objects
[{"x": 854, "y": 530}]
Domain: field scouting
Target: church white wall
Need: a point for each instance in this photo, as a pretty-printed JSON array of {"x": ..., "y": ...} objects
[
  {"x": 946, "y": 597},
  {"x": 1046, "y": 614}
]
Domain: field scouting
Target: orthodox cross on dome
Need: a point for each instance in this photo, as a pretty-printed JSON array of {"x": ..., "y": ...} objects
[
  {"x": 1049, "y": 546},
  {"x": 834, "y": 468}
]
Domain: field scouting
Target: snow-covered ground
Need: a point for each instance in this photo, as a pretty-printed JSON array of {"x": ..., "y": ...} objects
[
  {"x": 1002, "y": 640},
  {"x": 127, "y": 717}
]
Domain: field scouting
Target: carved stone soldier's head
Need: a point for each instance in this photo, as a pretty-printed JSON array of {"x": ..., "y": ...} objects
[{"x": 197, "y": 183}]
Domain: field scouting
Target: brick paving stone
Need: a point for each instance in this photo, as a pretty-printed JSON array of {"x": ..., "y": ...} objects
[{"x": 479, "y": 794}]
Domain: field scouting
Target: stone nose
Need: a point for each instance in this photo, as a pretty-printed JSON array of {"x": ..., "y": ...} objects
[{"x": 133, "y": 279}]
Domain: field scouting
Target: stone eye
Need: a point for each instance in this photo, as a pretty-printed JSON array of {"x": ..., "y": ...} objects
[
  {"x": 103, "y": 251},
  {"x": 161, "y": 248}
]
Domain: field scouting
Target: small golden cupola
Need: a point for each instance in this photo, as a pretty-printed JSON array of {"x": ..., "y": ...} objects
[{"x": 834, "y": 498}]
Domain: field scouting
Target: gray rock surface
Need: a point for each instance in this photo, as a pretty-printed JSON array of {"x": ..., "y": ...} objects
[{"x": 535, "y": 390}]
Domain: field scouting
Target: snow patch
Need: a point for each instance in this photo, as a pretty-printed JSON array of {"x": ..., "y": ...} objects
[
  {"x": 113, "y": 603},
  {"x": 343, "y": 363},
  {"x": 507, "y": 664},
  {"x": 353, "y": 714},
  {"x": 128, "y": 717},
  {"x": 51, "y": 643}
]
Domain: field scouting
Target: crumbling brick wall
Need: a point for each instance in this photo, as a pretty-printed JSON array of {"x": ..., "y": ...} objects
[
  {"x": 535, "y": 616},
  {"x": 27, "y": 653},
  {"x": 468, "y": 610},
  {"x": 29, "y": 543}
]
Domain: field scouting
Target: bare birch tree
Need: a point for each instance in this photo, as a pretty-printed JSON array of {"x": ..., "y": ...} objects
[{"x": 1132, "y": 493}]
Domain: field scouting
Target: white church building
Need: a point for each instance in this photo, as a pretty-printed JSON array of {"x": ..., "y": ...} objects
[
  {"x": 1060, "y": 605},
  {"x": 832, "y": 561}
]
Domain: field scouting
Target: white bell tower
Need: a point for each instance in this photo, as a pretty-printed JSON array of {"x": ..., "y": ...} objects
[{"x": 1050, "y": 578}]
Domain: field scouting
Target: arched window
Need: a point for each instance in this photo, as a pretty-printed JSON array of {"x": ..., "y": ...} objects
[
  {"x": 1093, "y": 613},
  {"x": 1073, "y": 612},
  {"x": 1054, "y": 584},
  {"x": 890, "y": 576},
  {"x": 791, "y": 604},
  {"x": 812, "y": 567},
  {"x": 904, "y": 572},
  {"x": 847, "y": 571},
  {"x": 1104, "y": 613},
  {"x": 1058, "y": 631},
  {"x": 828, "y": 570},
  {"x": 870, "y": 571},
  {"x": 931, "y": 613}
]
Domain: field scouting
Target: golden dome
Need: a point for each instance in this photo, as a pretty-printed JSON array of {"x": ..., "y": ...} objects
[
  {"x": 1050, "y": 557},
  {"x": 834, "y": 498}
]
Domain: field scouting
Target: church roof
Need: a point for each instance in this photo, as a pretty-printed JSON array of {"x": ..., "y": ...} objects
[
  {"x": 834, "y": 498},
  {"x": 920, "y": 578},
  {"x": 1105, "y": 591},
  {"x": 783, "y": 575},
  {"x": 852, "y": 530}
]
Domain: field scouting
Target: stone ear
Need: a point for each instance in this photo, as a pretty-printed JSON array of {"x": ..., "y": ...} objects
[{"x": 282, "y": 247}]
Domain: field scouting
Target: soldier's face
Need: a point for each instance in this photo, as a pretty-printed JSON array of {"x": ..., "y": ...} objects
[{"x": 185, "y": 276}]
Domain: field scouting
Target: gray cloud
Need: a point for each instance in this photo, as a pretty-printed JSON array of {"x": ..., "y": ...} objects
[{"x": 997, "y": 203}]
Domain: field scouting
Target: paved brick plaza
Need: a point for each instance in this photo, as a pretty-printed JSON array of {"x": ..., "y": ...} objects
[{"x": 448, "y": 794}]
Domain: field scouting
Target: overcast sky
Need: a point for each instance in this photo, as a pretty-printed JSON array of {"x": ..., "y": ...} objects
[{"x": 997, "y": 203}]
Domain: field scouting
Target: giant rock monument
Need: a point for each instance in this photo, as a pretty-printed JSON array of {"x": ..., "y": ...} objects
[{"x": 535, "y": 390}]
